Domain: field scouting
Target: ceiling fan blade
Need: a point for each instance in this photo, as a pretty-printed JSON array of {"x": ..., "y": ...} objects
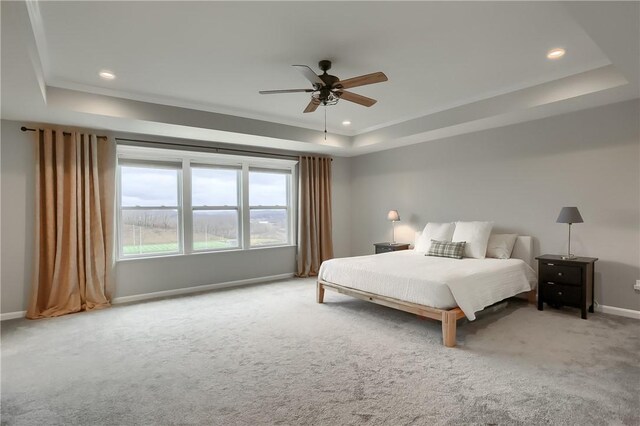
[
  {"x": 310, "y": 75},
  {"x": 271, "y": 92},
  {"x": 376, "y": 77},
  {"x": 313, "y": 105},
  {"x": 358, "y": 99}
]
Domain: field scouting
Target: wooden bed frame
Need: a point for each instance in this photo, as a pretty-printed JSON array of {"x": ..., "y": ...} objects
[
  {"x": 447, "y": 317},
  {"x": 523, "y": 249}
]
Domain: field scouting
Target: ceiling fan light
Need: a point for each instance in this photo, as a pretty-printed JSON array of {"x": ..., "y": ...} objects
[{"x": 320, "y": 98}]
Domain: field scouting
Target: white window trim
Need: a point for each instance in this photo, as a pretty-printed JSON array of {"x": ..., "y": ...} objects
[
  {"x": 185, "y": 209},
  {"x": 237, "y": 208},
  {"x": 291, "y": 196},
  {"x": 178, "y": 208}
]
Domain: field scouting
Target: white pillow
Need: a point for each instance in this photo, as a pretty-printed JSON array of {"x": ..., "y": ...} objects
[
  {"x": 500, "y": 246},
  {"x": 476, "y": 236},
  {"x": 417, "y": 239},
  {"x": 433, "y": 231}
]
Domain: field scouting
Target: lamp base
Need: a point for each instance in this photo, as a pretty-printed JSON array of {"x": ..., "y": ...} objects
[{"x": 569, "y": 257}]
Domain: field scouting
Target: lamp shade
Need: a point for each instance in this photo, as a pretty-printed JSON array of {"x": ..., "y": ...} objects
[
  {"x": 393, "y": 216},
  {"x": 569, "y": 215}
]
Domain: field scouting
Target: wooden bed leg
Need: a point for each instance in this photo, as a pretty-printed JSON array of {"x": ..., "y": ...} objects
[
  {"x": 531, "y": 296},
  {"x": 319, "y": 293},
  {"x": 449, "y": 329}
]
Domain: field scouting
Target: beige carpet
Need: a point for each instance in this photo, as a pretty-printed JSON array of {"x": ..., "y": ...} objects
[{"x": 268, "y": 354}]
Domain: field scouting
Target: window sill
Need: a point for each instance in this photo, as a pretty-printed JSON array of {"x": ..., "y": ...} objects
[
  {"x": 270, "y": 247},
  {"x": 199, "y": 253}
]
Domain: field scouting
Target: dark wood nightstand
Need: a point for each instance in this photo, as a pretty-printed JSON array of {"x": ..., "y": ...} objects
[
  {"x": 566, "y": 282},
  {"x": 387, "y": 247}
]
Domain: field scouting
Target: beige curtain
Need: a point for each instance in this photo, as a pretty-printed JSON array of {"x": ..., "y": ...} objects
[
  {"x": 315, "y": 243},
  {"x": 75, "y": 183}
]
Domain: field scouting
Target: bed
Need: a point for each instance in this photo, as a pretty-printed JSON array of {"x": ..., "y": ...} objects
[{"x": 439, "y": 288}]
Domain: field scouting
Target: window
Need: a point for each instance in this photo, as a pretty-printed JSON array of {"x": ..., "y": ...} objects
[
  {"x": 268, "y": 205},
  {"x": 182, "y": 202},
  {"x": 150, "y": 209},
  {"x": 216, "y": 216}
]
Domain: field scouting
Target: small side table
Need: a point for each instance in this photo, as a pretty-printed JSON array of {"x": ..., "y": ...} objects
[
  {"x": 387, "y": 247},
  {"x": 566, "y": 282}
]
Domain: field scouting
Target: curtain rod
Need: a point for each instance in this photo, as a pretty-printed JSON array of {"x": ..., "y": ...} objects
[
  {"x": 213, "y": 148},
  {"x": 26, "y": 129},
  {"x": 216, "y": 149}
]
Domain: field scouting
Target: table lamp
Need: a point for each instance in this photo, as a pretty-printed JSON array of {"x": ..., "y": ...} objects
[
  {"x": 394, "y": 217},
  {"x": 569, "y": 215}
]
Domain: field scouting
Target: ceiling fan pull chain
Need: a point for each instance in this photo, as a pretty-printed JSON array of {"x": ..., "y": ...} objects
[{"x": 325, "y": 122}]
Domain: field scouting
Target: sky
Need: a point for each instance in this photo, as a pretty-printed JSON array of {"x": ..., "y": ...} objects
[{"x": 145, "y": 186}]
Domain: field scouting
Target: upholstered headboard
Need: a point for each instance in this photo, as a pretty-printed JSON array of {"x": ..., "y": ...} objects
[{"x": 523, "y": 249}]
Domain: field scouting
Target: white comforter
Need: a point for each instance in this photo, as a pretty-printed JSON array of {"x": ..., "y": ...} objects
[{"x": 471, "y": 284}]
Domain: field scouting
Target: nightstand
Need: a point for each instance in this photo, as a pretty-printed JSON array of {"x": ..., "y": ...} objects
[
  {"x": 387, "y": 247},
  {"x": 566, "y": 282}
]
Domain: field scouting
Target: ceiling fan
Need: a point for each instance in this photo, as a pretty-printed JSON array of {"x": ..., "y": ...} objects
[{"x": 329, "y": 89}]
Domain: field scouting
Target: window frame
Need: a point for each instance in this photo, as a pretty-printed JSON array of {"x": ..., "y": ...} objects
[
  {"x": 237, "y": 207},
  {"x": 142, "y": 163},
  {"x": 287, "y": 207},
  {"x": 185, "y": 160}
]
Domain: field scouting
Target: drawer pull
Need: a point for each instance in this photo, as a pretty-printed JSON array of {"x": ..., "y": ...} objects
[
  {"x": 551, "y": 282},
  {"x": 559, "y": 274},
  {"x": 551, "y": 264},
  {"x": 559, "y": 293}
]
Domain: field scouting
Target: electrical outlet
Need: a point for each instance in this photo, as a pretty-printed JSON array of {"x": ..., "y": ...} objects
[{"x": 637, "y": 286}]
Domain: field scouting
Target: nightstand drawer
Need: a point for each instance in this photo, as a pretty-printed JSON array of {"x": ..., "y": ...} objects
[
  {"x": 560, "y": 274},
  {"x": 389, "y": 247},
  {"x": 562, "y": 294}
]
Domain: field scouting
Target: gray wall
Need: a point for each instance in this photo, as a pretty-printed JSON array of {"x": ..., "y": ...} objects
[
  {"x": 17, "y": 176},
  {"x": 149, "y": 275},
  {"x": 519, "y": 177},
  {"x": 341, "y": 206},
  {"x": 141, "y": 275}
]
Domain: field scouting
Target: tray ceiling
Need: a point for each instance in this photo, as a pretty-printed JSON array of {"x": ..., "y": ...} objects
[{"x": 215, "y": 56}]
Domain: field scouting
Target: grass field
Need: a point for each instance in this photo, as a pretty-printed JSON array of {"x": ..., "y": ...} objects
[
  {"x": 198, "y": 245},
  {"x": 173, "y": 247}
]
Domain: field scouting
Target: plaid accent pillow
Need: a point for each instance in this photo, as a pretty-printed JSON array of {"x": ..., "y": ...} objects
[{"x": 446, "y": 249}]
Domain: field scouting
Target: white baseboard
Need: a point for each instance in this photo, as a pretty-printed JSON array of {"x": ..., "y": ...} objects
[
  {"x": 622, "y": 312},
  {"x": 187, "y": 290},
  {"x": 176, "y": 292},
  {"x": 12, "y": 315}
]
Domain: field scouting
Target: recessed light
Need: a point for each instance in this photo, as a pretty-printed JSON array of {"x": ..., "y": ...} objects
[
  {"x": 346, "y": 123},
  {"x": 106, "y": 75},
  {"x": 556, "y": 53}
]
